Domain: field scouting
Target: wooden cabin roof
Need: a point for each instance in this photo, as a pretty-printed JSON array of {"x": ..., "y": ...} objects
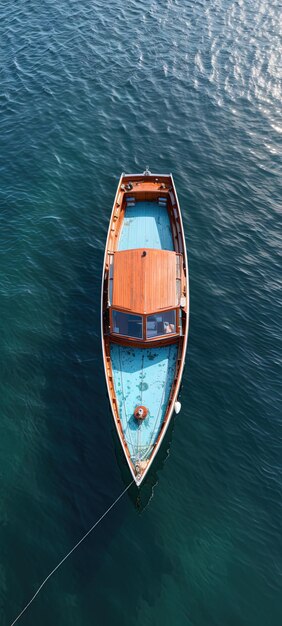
[{"x": 144, "y": 283}]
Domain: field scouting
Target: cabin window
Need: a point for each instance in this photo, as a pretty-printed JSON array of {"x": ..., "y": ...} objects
[
  {"x": 161, "y": 324},
  {"x": 127, "y": 324}
]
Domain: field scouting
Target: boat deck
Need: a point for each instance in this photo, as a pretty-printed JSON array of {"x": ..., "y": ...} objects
[
  {"x": 146, "y": 225},
  {"x": 142, "y": 377}
]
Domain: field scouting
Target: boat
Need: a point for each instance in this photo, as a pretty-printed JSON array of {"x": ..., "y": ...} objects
[{"x": 144, "y": 314}]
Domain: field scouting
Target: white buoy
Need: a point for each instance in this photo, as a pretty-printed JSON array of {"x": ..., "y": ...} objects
[{"x": 177, "y": 407}]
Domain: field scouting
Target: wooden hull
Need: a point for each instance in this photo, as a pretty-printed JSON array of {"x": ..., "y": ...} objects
[{"x": 128, "y": 362}]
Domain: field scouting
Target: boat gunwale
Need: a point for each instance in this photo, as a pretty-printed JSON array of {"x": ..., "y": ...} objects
[{"x": 182, "y": 339}]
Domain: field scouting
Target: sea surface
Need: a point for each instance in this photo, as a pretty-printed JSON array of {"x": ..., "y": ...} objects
[{"x": 90, "y": 89}]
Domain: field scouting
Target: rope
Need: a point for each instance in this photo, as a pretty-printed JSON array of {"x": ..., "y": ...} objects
[
  {"x": 122, "y": 391},
  {"x": 139, "y": 425},
  {"x": 70, "y": 552},
  {"x": 160, "y": 406},
  {"x": 141, "y": 378}
]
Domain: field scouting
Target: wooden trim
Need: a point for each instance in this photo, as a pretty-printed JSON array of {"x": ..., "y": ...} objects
[{"x": 162, "y": 340}]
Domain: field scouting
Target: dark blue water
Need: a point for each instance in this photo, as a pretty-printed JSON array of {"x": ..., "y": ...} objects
[{"x": 89, "y": 90}]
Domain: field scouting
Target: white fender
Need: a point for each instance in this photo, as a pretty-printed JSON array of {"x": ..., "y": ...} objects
[{"x": 177, "y": 407}]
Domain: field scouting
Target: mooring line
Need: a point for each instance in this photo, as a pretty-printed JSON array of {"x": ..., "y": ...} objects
[{"x": 70, "y": 552}]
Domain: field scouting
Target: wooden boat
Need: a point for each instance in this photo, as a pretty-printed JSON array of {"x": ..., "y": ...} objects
[{"x": 144, "y": 313}]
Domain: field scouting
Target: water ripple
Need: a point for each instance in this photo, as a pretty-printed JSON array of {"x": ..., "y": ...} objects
[{"x": 88, "y": 91}]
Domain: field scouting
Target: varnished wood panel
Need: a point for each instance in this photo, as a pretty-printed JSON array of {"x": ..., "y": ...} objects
[{"x": 144, "y": 280}]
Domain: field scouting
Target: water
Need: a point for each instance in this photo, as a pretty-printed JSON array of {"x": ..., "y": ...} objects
[{"x": 90, "y": 90}]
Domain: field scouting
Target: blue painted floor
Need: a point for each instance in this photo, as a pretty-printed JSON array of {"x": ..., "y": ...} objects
[
  {"x": 142, "y": 377},
  {"x": 146, "y": 225}
]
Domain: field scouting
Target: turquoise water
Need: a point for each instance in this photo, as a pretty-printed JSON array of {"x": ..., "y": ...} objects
[
  {"x": 90, "y": 90},
  {"x": 146, "y": 224},
  {"x": 142, "y": 377}
]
